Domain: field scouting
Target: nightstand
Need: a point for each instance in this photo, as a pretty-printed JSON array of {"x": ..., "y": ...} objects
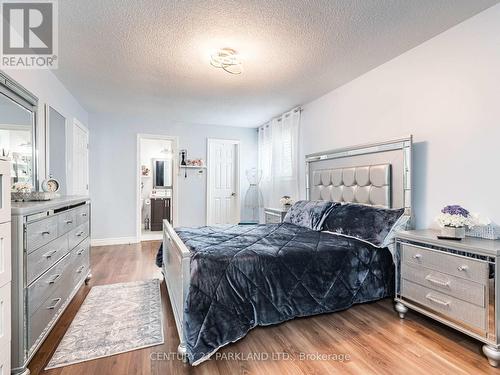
[
  {"x": 274, "y": 215},
  {"x": 453, "y": 282}
]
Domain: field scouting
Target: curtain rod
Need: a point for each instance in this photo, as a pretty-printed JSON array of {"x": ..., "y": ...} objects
[{"x": 279, "y": 118}]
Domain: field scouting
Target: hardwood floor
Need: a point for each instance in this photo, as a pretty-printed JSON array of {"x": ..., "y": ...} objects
[{"x": 372, "y": 339}]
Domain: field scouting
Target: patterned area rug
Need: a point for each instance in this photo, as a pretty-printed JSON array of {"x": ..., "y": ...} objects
[{"x": 114, "y": 319}]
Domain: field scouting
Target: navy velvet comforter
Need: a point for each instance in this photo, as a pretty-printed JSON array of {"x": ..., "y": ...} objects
[{"x": 243, "y": 276}]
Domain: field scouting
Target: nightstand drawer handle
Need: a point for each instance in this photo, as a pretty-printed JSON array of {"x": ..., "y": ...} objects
[
  {"x": 417, "y": 256},
  {"x": 431, "y": 298},
  {"x": 463, "y": 268},
  {"x": 432, "y": 280}
]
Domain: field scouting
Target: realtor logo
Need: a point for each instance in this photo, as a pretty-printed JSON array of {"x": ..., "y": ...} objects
[{"x": 29, "y": 34}]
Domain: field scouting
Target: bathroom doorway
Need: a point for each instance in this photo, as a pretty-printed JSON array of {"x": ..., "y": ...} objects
[{"x": 157, "y": 168}]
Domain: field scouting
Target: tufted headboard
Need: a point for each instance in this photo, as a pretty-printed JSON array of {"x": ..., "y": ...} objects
[
  {"x": 370, "y": 184},
  {"x": 376, "y": 174}
]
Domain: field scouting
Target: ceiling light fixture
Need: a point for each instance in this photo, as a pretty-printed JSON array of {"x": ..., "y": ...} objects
[{"x": 228, "y": 60}]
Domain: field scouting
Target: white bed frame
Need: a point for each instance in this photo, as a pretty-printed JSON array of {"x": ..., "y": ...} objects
[
  {"x": 176, "y": 256},
  {"x": 176, "y": 259}
]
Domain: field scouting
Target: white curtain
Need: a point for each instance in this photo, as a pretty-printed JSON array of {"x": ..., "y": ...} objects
[{"x": 278, "y": 158}]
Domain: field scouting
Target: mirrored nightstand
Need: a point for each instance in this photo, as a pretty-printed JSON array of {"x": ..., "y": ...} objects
[
  {"x": 274, "y": 215},
  {"x": 453, "y": 282}
]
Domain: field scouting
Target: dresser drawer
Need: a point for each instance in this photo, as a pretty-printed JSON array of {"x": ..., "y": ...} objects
[
  {"x": 454, "y": 265},
  {"x": 78, "y": 234},
  {"x": 42, "y": 288},
  {"x": 5, "y": 320},
  {"x": 448, "y": 306},
  {"x": 82, "y": 214},
  {"x": 45, "y": 313},
  {"x": 43, "y": 258},
  {"x": 41, "y": 232},
  {"x": 80, "y": 263},
  {"x": 66, "y": 221},
  {"x": 465, "y": 290},
  {"x": 5, "y": 254}
]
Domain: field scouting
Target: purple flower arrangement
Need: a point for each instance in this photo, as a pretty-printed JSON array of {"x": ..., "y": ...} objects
[
  {"x": 455, "y": 210},
  {"x": 455, "y": 216}
]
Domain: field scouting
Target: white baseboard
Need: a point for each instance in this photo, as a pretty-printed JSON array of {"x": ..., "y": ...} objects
[{"x": 113, "y": 241}]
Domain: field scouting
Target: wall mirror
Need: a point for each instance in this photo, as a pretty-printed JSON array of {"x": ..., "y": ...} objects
[
  {"x": 18, "y": 132},
  {"x": 162, "y": 173},
  {"x": 56, "y": 150}
]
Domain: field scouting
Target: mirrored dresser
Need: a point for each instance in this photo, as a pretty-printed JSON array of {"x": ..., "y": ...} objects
[
  {"x": 453, "y": 282},
  {"x": 50, "y": 262}
]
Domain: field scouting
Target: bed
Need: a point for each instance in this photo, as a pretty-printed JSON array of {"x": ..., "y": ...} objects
[{"x": 223, "y": 281}]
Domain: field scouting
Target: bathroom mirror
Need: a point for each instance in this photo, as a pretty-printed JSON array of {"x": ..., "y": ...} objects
[
  {"x": 162, "y": 173},
  {"x": 17, "y": 132},
  {"x": 55, "y": 159}
]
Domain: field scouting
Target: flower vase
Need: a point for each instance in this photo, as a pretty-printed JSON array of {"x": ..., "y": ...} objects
[{"x": 453, "y": 232}]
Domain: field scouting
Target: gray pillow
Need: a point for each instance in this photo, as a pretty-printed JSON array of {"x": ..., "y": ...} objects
[
  {"x": 370, "y": 224},
  {"x": 309, "y": 214}
]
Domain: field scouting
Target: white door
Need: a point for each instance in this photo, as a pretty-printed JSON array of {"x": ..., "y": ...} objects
[
  {"x": 80, "y": 160},
  {"x": 5, "y": 184},
  {"x": 223, "y": 201}
]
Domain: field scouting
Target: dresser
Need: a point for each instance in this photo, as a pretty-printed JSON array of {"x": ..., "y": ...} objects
[
  {"x": 274, "y": 215},
  {"x": 453, "y": 282},
  {"x": 50, "y": 262},
  {"x": 5, "y": 267}
]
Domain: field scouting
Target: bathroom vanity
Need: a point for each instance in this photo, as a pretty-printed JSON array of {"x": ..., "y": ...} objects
[{"x": 160, "y": 210}]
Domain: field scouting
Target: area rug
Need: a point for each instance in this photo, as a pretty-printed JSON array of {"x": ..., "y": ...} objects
[{"x": 113, "y": 319}]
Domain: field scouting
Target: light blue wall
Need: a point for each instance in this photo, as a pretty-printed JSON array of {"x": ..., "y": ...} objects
[
  {"x": 446, "y": 93},
  {"x": 113, "y": 148}
]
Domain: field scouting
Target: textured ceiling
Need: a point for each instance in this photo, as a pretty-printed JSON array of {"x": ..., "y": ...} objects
[{"x": 146, "y": 56}]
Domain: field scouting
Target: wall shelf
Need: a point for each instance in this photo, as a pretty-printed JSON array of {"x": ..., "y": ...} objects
[{"x": 193, "y": 166}]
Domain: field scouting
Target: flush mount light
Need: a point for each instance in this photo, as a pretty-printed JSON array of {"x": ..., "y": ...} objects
[{"x": 228, "y": 60}]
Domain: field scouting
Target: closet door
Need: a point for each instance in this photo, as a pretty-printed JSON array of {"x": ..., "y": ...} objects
[
  {"x": 5, "y": 259},
  {"x": 4, "y": 191}
]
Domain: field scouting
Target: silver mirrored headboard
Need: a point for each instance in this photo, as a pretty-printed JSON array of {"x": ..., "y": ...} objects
[{"x": 376, "y": 174}]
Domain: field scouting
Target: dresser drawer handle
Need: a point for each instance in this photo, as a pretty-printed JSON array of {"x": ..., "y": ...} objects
[
  {"x": 432, "y": 280},
  {"x": 45, "y": 233},
  {"x": 54, "y": 279},
  {"x": 69, "y": 222},
  {"x": 80, "y": 252},
  {"x": 463, "y": 268},
  {"x": 49, "y": 254},
  {"x": 431, "y": 298},
  {"x": 417, "y": 256},
  {"x": 80, "y": 234},
  {"x": 84, "y": 214},
  {"x": 54, "y": 305},
  {"x": 80, "y": 269}
]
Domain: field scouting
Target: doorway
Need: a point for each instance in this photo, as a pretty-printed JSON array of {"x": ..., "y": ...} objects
[
  {"x": 156, "y": 185},
  {"x": 80, "y": 159},
  {"x": 223, "y": 184}
]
